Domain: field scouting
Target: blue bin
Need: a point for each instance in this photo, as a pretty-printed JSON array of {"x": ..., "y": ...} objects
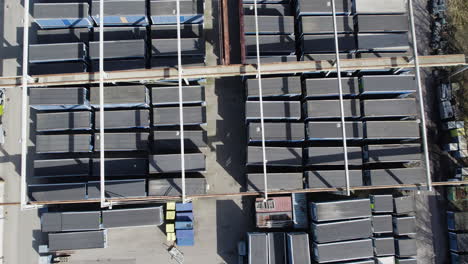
[
  {"x": 183, "y": 225},
  {"x": 184, "y": 207}
]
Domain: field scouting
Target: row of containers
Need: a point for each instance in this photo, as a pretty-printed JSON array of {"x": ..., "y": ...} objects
[
  {"x": 380, "y": 228},
  {"x": 457, "y": 222},
  {"x": 142, "y": 142},
  {"x": 303, "y": 133},
  {"x": 303, "y": 30},
  {"x": 138, "y": 34}
]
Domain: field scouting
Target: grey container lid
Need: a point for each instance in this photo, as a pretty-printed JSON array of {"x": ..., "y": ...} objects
[
  {"x": 380, "y": 23},
  {"x": 381, "y": 203},
  {"x": 392, "y": 129},
  {"x": 267, "y": 9},
  {"x": 380, "y": 7},
  {"x": 405, "y": 247},
  {"x": 120, "y": 33},
  {"x": 169, "y": 116},
  {"x": 60, "y": 10},
  {"x": 390, "y": 108},
  {"x": 258, "y": 248},
  {"x": 276, "y": 181},
  {"x": 77, "y": 240},
  {"x": 57, "y": 68},
  {"x": 404, "y": 225},
  {"x": 123, "y": 119},
  {"x": 329, "y": 86},
  {"x": 269, "y": 24},
  {"x": 187, "y": 60},
  {"x": 277, "y": 86},
  {"x": 168, "y": 8},
  {"x": 305, "y": 6},
  {"x": 120, "y": 7},
  {"x": 61, "y": 167},
  {"x": 341, "y": 230},
  {"x": 394, "y": 152},
  {"x": 170, "y": 95},
  {"x": 413, "y": 260},
  {"x": 63, "y": 121},
  {"x": 326, "y": 43},
  {"x": 333, "y": 156},
  {"x": 120, "y": 49},
  {"x": 273, "y": 110},
  {"x": 170, "y": 163},
  {"x": 63, "y": 143},
  {"x": 57, "y": 96},
  {"x": 168, "y": 47},
  {"x": 119, "y": 65},
  {"x": 275, "y": 156},
  {"x": 384, "y": 246},
  {"x": 51, "y": 222},
  {"x": 57, "y": 192},
  {"x": 277, "y": 131},
  {"x": 123, "y": 142},
  {"x": 331, "y": 108},
  {"x": 339, "y": 251},
  {"x": 122, "y": 95},
  {"x": 388, "y": 84},
  {"x": 57, "y": 52},
  {"x": 67, "y": 35},
  {"x": 270, "y": 44},
  {"x": 81, "y": 221},
  {"x": 122, "y": 166},
  {"x": 383, "y": 41},
  {"x": 173, "y": 187},
  {"x": 277, "y": 253},
  {"x": 403, "y": 205},
  {"x": 133, "y": 217},
  {"x": 340, "y": 210},
  {"x": 333, "y": 178},
  {"x": 382, "y": 224},
  {"x": 170, "y": 31},
  {"x": 298, "y": 248},
  {"x": 118, "y": 189},
  {"x": 324, "y": 24},
  {"x": 397, "y": 176},
  {"x": 170, "y": 140},
  {"x": 333, "y": 131}
]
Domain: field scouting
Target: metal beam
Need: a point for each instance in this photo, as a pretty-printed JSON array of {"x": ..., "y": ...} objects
[{"x": 171, "y": 73}]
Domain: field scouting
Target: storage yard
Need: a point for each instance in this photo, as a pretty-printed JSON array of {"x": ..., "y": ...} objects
[{"x": 200, "y": 131}]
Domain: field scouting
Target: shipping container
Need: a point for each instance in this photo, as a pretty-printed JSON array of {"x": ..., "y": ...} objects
[
  {"x": 332, "y": 130},
  {"x": 276, "y": 181},
  {"x": 171, "y": 163},
  {"x": 274, "y": 87},
  {"x": 383, "y": 246},
  {"x": 380, "y": 7},
  {"x": 184, "y": 207},
  {"x": 332, "y": 178},
  {"x": 399, "y": 130},
  {"x": 404, "y": 225},
  {"x": 121, "y": 167},
  {"x": 275, "y": 156},
  {"x": 458, "y": 242},
  {"x": 56, "y": 68},
  {"x": 58, "y": 98},
  {"x": 299, "y": 206},
  {"x": 340, "y": 251},
  {"x": 273, "y": 110},
  {"x": 61, "y": 167},
  {"x": 118, "y": 65},
  {"x": 382, "y": 203},
  {"x": 170, "y": 140},
  {"x": 258, "y": 248},
  {"x": 65, "y": 35},
  {"x": 318, "y": 109},
  {"x": 173, "y": 187},
  {"x": 187, "y": 61},
  {"x": 183, "y": 225},
  {"x": 118, "y": 49},
  {"x": 63, "y": 121},
  {"x": 388, "y": 84},
  {"x": 403, "y": 205},
  {"x": 120, "y": 33},
  {"x": 333, "y": 156},
  {"x": 137, "y": 141},
  {"x": 269, "y": 25},
  {"x": 46, "y": 144},
  {"x": 454, "y": 257},
  {"x": 168, "y": 47},
  {"x": 274, "y": 220},
  {"x": 382, "y": 224},
  {"x": 390, "y": 108},
  {"x": 324, "y": 24},
  {"x": 164, "y": 12},
  {"x": 397, "y": 176},
  {"x": 277, "y": 253},
  {"x": 170, "y": 31},
  {"x": 323, "y": 7},
  {"x": 123, "y": 119},
  {"x": 169, "y": 116},
  {"x": 270, "y": 45},
  {"x": 77, "y": 240},
  {"x": 146, "y": 216},
  {"x": 341, "y": 230},
  {"x": 405, "y": 247},
  {"x": 276, "y": 132},
  {"x": 70, "y": 221},
  {"x": 57, "y": 52},
  {"x": 118, "y": 189},
  {"x": 457, "y": 221},
  {"x": 326, "y": 43},
  {"x": 121, "y": 96},
  {"x": 328, "y": 87},
  {"x": 340, "y": 210},
  {"x": 393, "y": 153},
  {"x": 62, "y": 15},
  {"x": 298, "y": 248},
  {"x": 170, "y": 95},
  {"x": 57, "y": 192},
  {"x": 382, "y": 23},
  {"x": 268, "y": 9},
  {"x": 184, "y": 216},
  {"x": 121, "y": 12},
  {"x": 273, "y": 204}
]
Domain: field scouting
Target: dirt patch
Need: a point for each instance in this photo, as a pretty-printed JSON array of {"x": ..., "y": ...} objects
[{"x": 457, "y": 18}]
